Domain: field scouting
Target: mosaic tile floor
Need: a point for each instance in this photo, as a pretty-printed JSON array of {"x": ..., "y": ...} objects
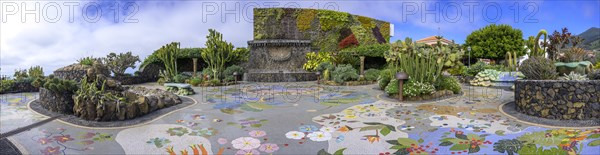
[{"x": 304, "y": 118}]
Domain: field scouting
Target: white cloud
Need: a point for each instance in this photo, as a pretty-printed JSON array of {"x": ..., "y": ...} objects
[{"x": 53, "y": 45}]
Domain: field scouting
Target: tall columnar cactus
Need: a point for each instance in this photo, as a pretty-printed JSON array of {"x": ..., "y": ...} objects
[
  {"x": 217, "y": 52},
  {"x": 423, "y": 64},
  {"x": 168, "y": 55},
  {"x": 534, "y": 47},
  {"x": 512, "y": 60}
]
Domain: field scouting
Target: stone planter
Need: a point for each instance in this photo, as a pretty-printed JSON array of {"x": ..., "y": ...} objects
[
  {"x": 558, "y": 99},
  {"x": 60, "y": 102},
  {"x": 138, "y": 101},
  {"x": 581, "y": 67}
]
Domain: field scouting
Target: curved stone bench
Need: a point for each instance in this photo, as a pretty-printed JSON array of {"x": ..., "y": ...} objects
[{"x": 182, "y": 89}]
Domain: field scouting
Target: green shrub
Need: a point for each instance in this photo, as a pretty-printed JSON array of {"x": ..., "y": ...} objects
[
  {"x": 314, "y": 59},
  {"x": 36, "y": 72},
  {"x": 39, "y": 82},
  {"x": 87, "y": 61},
  {"x": 324, "y": 66},
  {"x": 343, "y": 73},
  {"x": 392, "y": 87},
  {"x": 240, "y": 55},
  {"x": 493, "y": 41},
  {"x": 228, "y": 73},
  {"x": 475, "y": 68},
  {"x": 6, "y": 85},
  {"x": 538, "y": 68},
  {"x": 195, "y": 81},
  {"x": 384, "y": 78},
  {"x": 371, "y": 74},
  {"x": 448, "y": 83},
  {"x": 459, "y": 70},
  {"x": 207, "y": 71},
  {"x": 415, "y": 88},
  {"x": 60, "y": 85},
  {"x": 180, "y": 78},
  {"x": 214, "y": 82},
  {"x": 20, "y": 74}
]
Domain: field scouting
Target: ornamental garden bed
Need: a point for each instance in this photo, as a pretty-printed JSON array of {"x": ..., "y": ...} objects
[{"x": 558, "y": 99}]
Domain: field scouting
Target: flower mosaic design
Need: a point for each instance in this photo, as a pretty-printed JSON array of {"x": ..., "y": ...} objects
[
  {"x": 57, "y": 141},
  {"x": 245, "y": 143},
  {"x": 257, "y": 133},
  {"x": 308, "y": 128},
  {"x": 319, "y": 136},
  {"x": 159, "y": 142},
  {"x": 178, "y": 131},
  {"x": 251, "y": 145},
  {"x": 268, "y": 147},
  {"x": 51, "y": 150},
  {"x": 248, "y": 122},
  {"x": 294, "y": 135}
]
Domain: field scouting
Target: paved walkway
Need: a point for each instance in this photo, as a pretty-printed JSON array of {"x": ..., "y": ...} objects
[{"x": 303, "y": 118}]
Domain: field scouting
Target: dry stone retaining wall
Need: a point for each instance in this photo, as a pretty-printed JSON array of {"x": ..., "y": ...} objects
[{"x": 558, "y": 99}]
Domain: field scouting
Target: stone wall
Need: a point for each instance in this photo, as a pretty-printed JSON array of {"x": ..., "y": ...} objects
[
  {"x": 151, "y": 71},
  {"x": 130, "y": 80},
  {"x": 76, "y": 75},
  {"x": 56, "y": 102},
  {"x": 280, "y": 77},
  {"x": 558, "y": 99}
]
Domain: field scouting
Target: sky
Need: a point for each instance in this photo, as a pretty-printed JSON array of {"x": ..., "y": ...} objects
[{"x": 53, "y": 34}]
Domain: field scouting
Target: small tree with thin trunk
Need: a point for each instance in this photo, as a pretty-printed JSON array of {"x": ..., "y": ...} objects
[{"x": 119, "y": 63}]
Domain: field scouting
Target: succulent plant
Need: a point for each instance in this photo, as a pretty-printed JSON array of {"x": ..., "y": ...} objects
[
  {"x": 538, "y": 68},
  {"x": 595, "y": 75},
  {"x": 574, "y": 76},
  {"x": 485, "y": 77},
  {"x": 574, "y": 54}
]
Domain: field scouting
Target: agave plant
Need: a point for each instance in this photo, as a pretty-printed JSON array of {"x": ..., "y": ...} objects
[
  {"x": 574, "y": 76},
  {"x": 574, "y": 54}
]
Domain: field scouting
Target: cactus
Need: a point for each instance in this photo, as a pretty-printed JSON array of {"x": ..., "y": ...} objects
[
  {"x": 512, "y": 61},
  {"x": 168, "y": 55},
  {"x": 217, "y": 52},
  {"x": 535, "y": 49}
]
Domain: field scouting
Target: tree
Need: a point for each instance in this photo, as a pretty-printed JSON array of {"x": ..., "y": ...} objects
[
  {"x": 493, "y": 41},
  {"x": 217, "y": 52},
  {"x": 119, "y": 63}
]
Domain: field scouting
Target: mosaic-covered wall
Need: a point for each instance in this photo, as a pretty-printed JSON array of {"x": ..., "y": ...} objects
[{"x": 325, "y": 28}]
